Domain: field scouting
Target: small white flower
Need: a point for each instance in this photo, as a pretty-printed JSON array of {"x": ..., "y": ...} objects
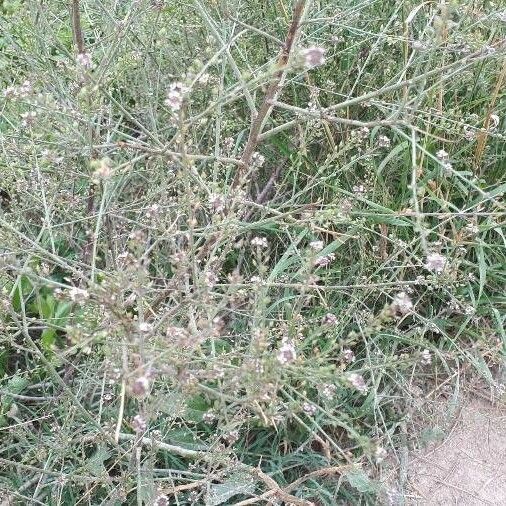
[
  {"x": 402, "y": 303},
  {"x": 328, "y": 391},
  {"x": 383, "y": 141},
  {"x": 204, "y": 78},
  {"x": 442, "y": 155},
  {"x": 78, "y": 294},
  {"x": 309, "y": 409},
  {"x": 325, "y": 260},
  {"x": 348, "y": 355},
  {"x": 286, "y": 354},
  {"x": 447, "y": 167},
  {"x": 426, "y": 357},
  {"x": 257, "y": 159},
  {"x": 357, "y": 381},
  {"x": 175, "y": 96},
  {"x": 469, "y": 133},
  {"x": 228, "y": 144},
  {"x": 145, "y": 327},
  {"x": 28, "y": 118},
  {"x": 103, "y": 170},
  {"x": 418, "y": 45},
  {"x": 209, "y": 416},
  {"x": 217, "y": 202},
  {"x": 472, "y": 228},
  {"x": 494, "y": 121},
  {"x": 380, "y": 454},
  {"x": 363, "y": 132},
  {"x": 313, "y": 56},
  {"x": 435, "y": 263},
  {"x": 161, "y": 500},
  {"x": 316, "y": 245},
  {"x": 139, "y": 424},
  {"x": 84, "y": 60},
  {"x": 140, "y": 387},
  {"x": 210, "y": 278},
  {"x": 260, "y": 242},
  {"x": 330, "y": 319}
]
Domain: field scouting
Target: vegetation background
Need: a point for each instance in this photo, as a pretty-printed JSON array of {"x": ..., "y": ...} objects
[{"x": 244, "y": 244}]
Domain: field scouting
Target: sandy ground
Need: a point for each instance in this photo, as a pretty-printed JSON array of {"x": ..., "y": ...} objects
[{"x": 469, "y": 467}]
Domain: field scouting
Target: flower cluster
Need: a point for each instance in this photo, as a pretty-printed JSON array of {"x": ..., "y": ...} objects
[
  {"x": 357, "y": 381},
  {"x": 313, "y": 56},
  {"x": 175, "y": 96}
]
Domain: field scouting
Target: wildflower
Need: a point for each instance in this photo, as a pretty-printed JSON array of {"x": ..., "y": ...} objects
[
  {"x": 260, "y": 242},
  {"x": 145, "y": 327},
  {"x": 257, "y": 159},
  {"x": 494, "y": 121},
  {"x": 363, "y": 132},
  {"x": 330, "y": 319},
  {"x": 442, "y": 155},
  {"x": 472, "y": 228},
  {"x": 383, "y": 141},
  {"x": 210, "y": 278},
  {"x": 256, "y": 280},
  {"x": 402, "y": 303},
  {"x": 204, "y": 78},
  {"x": 10, "y": 92},
  {"x": 360, "y": 188},
  {"x": 328, "y": 391},
  {"x": 140, "y": 388},
  {"x": 426, "y": 357},
  {"x": 380, "y": 454},
  {"x": 217, "y": 202},
  {"x": 435, "y": 262},
  {"x": 153, "y": 211},
  {"x": 103, "y": 169},
  {"x": 84, "y": 60},
  {"x": 139, "y": 424},
  {"x": 78, "y": 294},
  {"x": 325, "y": 260},
  {"x": 313, "y": 56},
  {"x": 228, "y": 144},
  {"x": 357, "y": 381},
  {"x": 209, "y": 416},
  {"x": 447, "y": 167},
  {"x": 286, "y": 353},
  {"x": 28, "y": 118},
  {"x": 161, "y": 500},
  {"x": 469, "y": 133},
  {"x": 348, "y": 355},
  {"x": 231, "y": 437},
  {"x": 175, "y": 96},
  {"x": 316, "y": 245},
  {"x": 418, "y": 45},
  {"x": 309, "y": 409}
]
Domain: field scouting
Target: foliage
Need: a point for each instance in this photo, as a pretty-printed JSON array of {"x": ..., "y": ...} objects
[{"x": 240, "y": 240}]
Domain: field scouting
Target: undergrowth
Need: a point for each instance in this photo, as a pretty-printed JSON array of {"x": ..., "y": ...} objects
[{"x": 240, "y": 241}]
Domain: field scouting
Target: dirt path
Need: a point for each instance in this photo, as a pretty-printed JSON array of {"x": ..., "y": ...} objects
[{"x": 469, "y": 467}]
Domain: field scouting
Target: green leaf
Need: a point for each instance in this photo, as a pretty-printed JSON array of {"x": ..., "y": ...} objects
[
  {"x": 46, "y": 306},
  {"x": 15, "y": 385},
  {"x": 95, "y": 464},
  {"x": 48, "y": 338},
  {"x": 26, "y": 289},
  {"x": 360, "y": 481},
  {"x": 239, "y": 483}
]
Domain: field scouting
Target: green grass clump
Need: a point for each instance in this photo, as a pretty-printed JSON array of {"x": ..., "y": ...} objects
[{"x": 240, "y": 241}]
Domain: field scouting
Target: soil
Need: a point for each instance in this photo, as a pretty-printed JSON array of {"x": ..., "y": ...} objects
[{"x": 468, "y": 468}]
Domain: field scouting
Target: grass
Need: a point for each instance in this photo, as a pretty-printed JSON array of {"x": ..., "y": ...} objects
[{"x": 233, "y": 266}]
